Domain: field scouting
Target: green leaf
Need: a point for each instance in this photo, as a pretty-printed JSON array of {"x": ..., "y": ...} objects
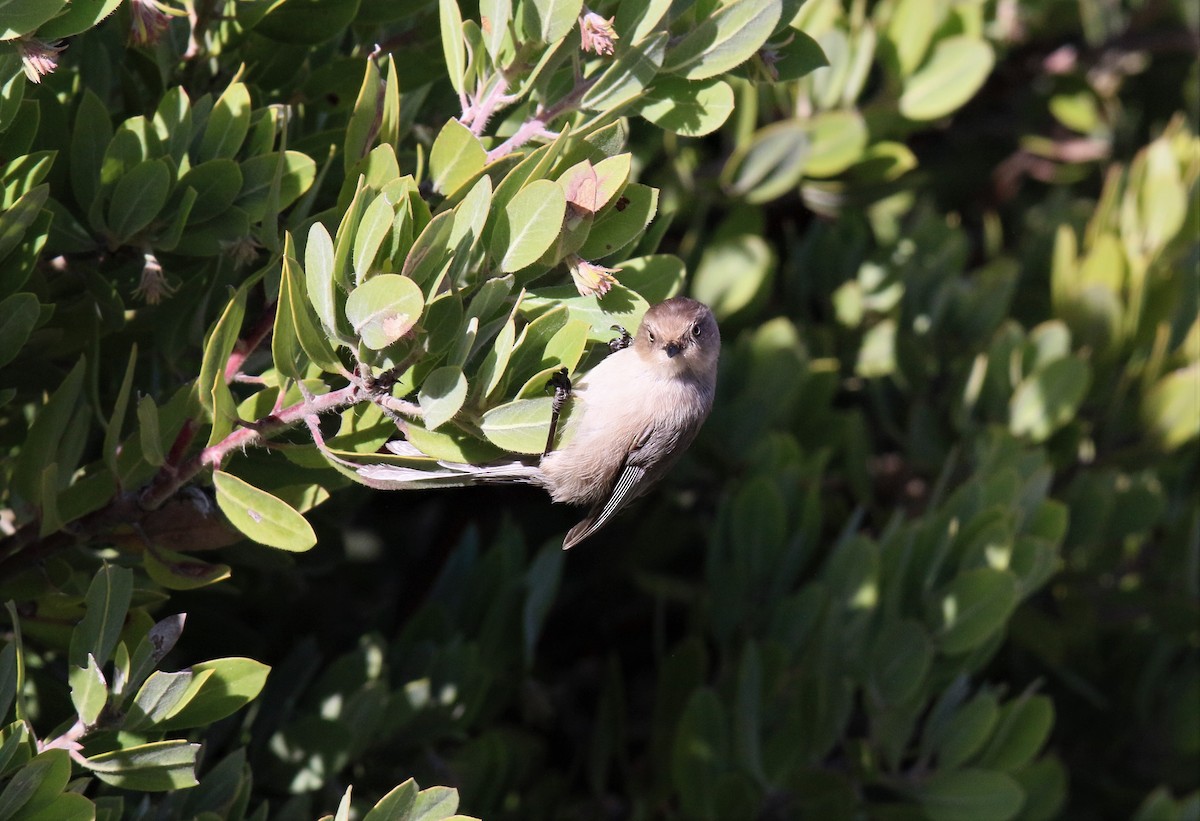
[
  {"x": 89, "y": 690},
  {"x": 690, "y": 109},
  {"x": 655, "y": 277},
  {"x": 442, "y": 394},
  {"x": 456, "y": 157},
  {"x": 36, "y": 784},
  {"x": 158, "y": 641},
  {"x": 18, "y": 317},
  {"x": 966, "y": 732},
  {"x": 909, "y": 31},
  {"x": 431, "y": 254},
  {"x": 365, "y": 118},
  {"x": 453, "y": 45},
  {"x": 286, "y": 354},
  {"x": 975, "y": 606},
  {"x": 770, "y": 164},
  {"x": 156, "y": 767},
  {"x": 491, "y": 372},
  {"x": 734, "y": 274},
  {"x": 79, "y": 16},
  {"x": 376, "y": 224},
  {"x": 68, "y": 806},
  {"x": 8, "y": 681},
  {"x": 837, "y": 140},
  {"x": 1048, "y": 398},
  {"x": 306, "y": 22},
  {"x": 1163, "y": 197},
  {"x": 213, "y": 388},
  {"x": 798, "y": 58},
  {"x": 620, "y": 306},
  {"x": 173, "y": 123},
  {"x": 107, "y": 603},
  {"x": 221, "y": 688},
  {"x": 628, "y": 77},
  {"x": 227, "y": 125},
  {"x": 981, "y": 795},
  {"x": 520, "y": 426},
  {"x": 25, "y": 16},
  {"x": 149, "y": 435},
  {"x": 319, "y": 276},
  {"x": 529, "y": 355},
  {"x": 528, "y": 225},
  {"x": 14, "y": 221},
  {"x": 550, "y": 20},
  {"x": 621, "y": 223},
  {"x": 23, "y": 173},
  {"x": 51, "y": 519},
  {"x": 1045, "y": 785},
  {"x": 312, "y": 338},
  {"x": 162, "y": 695},
  {"x": 1171, "y": 408},
  {"x": 954, "y": 72},
  {"x": 900, "y": 657},
  {"x": 274, "y": 180},
  {"x": 17, "y": 748},
  {"x": 1022, "y": 729},
  {"x": 178, "y": 571},
  {"x": 384, "y": 308},
  {"x": 700, "y": 752},
  {"x": 435, "y": 804},
  {"x": 451, "y": 445},
  {"x": 725, "y": 39},
  {"x": 261, "y": 516},
  {"x": 90, "y": 137},
  {"x": 112, "y": 431},
  {"x": 397, "y": 805},
  {"x": 219, "y": 346},
  {"x": 138, "y": 198},
  {"x": 217, "y": 184}
]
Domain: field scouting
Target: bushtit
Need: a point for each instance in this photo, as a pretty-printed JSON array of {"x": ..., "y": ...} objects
[{"x": 631, "y": 417}]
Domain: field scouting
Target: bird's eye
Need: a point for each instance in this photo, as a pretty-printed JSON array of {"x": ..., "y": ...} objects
[{"x": 696, "y": 330}]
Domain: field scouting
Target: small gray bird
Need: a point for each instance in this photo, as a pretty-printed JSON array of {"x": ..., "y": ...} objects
[{"x": 632, "y": 416}]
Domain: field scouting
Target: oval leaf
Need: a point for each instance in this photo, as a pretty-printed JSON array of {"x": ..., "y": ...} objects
[
  {"x": 691, "y": 109},
  {"x": 384, "y": 308},
  {"x": 953, "y": 74},
  {"x": 974, "y": 606},
  {"x": 520, "y": 426},
  {"x": 261, "y": 516},
  {"x": 442, "y": 394},
  {"x": 529, "y": 224}
]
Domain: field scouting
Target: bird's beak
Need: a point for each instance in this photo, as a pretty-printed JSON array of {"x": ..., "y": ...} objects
[{"x": 673, "y": 349}]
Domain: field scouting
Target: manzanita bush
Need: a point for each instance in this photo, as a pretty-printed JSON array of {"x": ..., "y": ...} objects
[{"x": 935, "y": 555}]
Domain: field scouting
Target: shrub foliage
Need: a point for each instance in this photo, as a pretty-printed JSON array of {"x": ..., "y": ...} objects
[{"x": 935, "y": 555}]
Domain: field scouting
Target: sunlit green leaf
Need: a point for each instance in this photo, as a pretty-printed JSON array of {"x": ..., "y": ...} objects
[
  {"x": 156, "y": 767},
  {"x": 442, "y": 395},
  {"x": 725, "y": 39},
  {"x": 528, "y": 225},
  {"x": 691, "y": 109},
  {"x": 261, "y": 516},
  {"x": 384, "y": 308},
  {"x": 520, "y": 426},
  {"x": 951, "y": 76}
]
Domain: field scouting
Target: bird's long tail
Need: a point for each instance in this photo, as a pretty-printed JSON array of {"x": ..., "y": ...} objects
[{"x": 447, "y": 474}]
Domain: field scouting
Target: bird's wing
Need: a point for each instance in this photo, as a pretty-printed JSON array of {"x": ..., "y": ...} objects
[{"x": 631, "y": 476}]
